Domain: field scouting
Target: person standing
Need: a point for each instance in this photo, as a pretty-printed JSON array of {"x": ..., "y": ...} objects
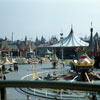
[
  {"x": 28, "y": 97},
  {"x": 3, "y": 67},
  {"x": 17, "y": 67},
  {"x": 55, "y": 98},
  {"x": 94, "y": 97},
  {"x": 54, "y": 64},
  {"x": 14, "y": 67},
  {"x": 4, "y": 77}
]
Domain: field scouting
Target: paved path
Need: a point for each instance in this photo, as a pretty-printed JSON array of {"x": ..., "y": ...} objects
[{"x": 12, "y": 93}]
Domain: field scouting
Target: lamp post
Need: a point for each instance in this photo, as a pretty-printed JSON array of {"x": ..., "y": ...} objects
[
  {"x": 12, "y": 36},
  {"x": 61, "y": 39},
  {"x": 32, "y": 67}
]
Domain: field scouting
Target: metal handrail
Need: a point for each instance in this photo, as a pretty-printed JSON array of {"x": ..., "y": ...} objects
[{"x": 82, "y": 86}]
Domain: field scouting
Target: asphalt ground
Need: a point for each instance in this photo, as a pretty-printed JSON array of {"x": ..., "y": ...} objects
[{"x": 25, "y": 69}]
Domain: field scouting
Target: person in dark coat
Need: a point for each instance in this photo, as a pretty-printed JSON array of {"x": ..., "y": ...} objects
[
  {"x": 54, "y": 64},
  {"x": 3, "y": 67},
  {"x": 4, "y": 77},
  {"x": 16, "y": 67}
]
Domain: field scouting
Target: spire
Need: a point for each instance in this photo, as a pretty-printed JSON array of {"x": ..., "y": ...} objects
[
  {"x": 91, "y": 29},
  {"x": 71, "y": 31},
  {"x": 91, "y": 41},
  {"x": 26, "y": 40},
  {"x": 97, "y": 46},
  {"x": 12, "y": 36}
]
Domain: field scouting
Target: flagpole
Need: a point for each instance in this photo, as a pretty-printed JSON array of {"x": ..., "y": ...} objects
[{"x": 61, "y": 39}]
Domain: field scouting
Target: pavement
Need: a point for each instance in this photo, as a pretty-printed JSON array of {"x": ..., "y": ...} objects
[{"x": 25, "y": 69}]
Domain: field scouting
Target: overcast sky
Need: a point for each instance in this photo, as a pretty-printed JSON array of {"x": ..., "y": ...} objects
[{"x": 48, "y": 17}]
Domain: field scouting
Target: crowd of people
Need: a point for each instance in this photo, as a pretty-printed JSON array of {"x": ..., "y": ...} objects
[{"x": 4, "y": 70}]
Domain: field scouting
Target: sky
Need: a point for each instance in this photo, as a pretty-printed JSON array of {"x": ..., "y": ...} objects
[{"x": 36, "y": 18}]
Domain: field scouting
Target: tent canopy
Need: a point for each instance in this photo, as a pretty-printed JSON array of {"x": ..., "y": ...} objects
[{"x": 71, "y": 41}]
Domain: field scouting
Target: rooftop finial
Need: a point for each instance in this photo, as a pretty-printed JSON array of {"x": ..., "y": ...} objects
[
  {"x": 71, "y": 25},
  {"x": 91, "y": 29},
  {"x": 61, "y": 34},
  {"x": 91, "y": 23},
  {"x": 71, "y": 29}
]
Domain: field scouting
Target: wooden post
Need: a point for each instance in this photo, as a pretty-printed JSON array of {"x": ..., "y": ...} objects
[{"x": 3, "y": 94}]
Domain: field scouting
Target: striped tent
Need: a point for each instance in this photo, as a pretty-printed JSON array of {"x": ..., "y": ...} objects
[{"x": 71, "y": 41}]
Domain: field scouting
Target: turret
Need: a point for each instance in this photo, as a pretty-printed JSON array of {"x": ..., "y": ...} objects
[
  {"x": 91, "y": 41},
  {"x": 26, "y": 40},
  {"x": 91, "y": 29}
]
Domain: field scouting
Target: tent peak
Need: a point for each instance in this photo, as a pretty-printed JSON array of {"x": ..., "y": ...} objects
[{"x": 71, "y": 31}]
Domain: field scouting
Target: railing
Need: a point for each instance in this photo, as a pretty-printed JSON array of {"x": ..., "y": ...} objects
[
  {"x": 51, "y": 93},
  {"x": 48, "y": 84},
  {"x": 46, "y": 93},
  {"x": 51, "y": 84},
  {"x": 26, "y": 83}
]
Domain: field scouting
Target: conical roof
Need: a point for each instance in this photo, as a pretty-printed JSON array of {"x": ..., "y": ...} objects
[
  {"x": 71, "y": 41},
  {"x": 96, "y": 37},
  {"x": 4, "y": 45},
  {"x": 49, "y": 52},
  {"x": 91, "y": 42},
  {"x": 6, "y": 62}
]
